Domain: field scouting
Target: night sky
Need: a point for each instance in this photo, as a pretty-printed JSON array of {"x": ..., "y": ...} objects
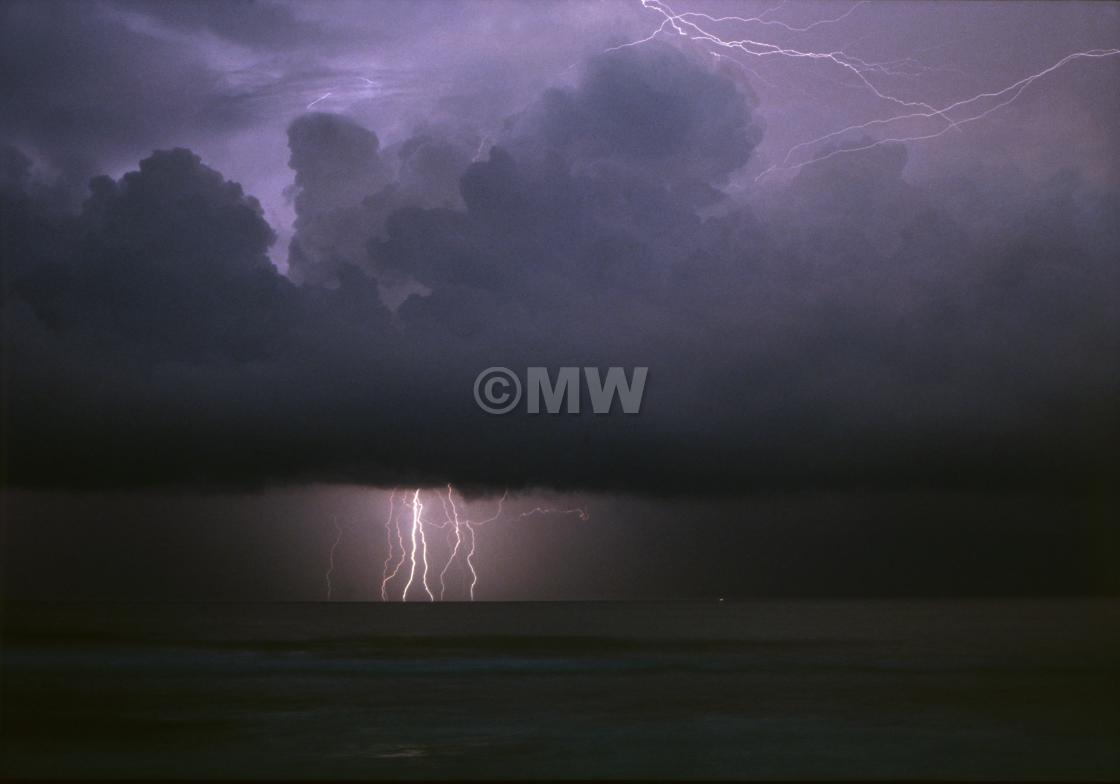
[{"x": 254, "y": 256}]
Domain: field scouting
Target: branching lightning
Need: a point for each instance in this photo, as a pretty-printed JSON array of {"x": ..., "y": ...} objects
[
  {"x": 456, "y": 527},
  {"x": 390, "y": 526},
  {"x": 549, "y": 510},
  {"x": 406, "y": 536},
  {"x": 698, "y": 27},
  {"x": 906, "y": 120},
  {"x": 417, "y": 533}
]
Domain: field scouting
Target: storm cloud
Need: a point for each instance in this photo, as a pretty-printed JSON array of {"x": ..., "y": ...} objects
[{"x": 853, "y": 326}]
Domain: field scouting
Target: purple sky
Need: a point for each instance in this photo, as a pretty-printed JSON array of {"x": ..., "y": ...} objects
[
  {"x": 888, "y": 348},
  {"x": 226, "y": 81}
]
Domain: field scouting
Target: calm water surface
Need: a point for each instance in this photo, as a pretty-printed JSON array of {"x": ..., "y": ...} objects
[{"x": 797, "y": 689}]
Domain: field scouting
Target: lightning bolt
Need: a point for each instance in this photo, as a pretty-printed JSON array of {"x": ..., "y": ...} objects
[
  {"x": 453, "y": 517},
  {"x": 386, "y": 574},
  {"x": 462, "y": 539},
  {"x": 345, "y": 89},
  {"x": 549, "y": 510},
  {"x": 474, "y": 541},
  {"x": 762, "y": 20},
  {"x": 697, "y": 27},
  {"x": 318, "y": 100},
  {"x": 1002, "y": 98},
  {"x": 418, "y": 534},
  {"x": 330, "y": 568}
]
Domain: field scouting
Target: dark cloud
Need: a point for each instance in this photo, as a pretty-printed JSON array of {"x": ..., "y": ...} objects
[
  {"x": 852, "y": 327},
  {"x": 652, "y": 107},
  {"x": 337, "y": 166},
  {"x": 171, "y": 258},
  {"x": 346, "y": 187},
  {"x": 83, "y": 90}
]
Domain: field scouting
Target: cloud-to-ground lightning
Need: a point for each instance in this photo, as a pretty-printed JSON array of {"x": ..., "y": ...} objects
[
  {"x": 462, "y": 540},
  {"x": 457, "y": 529},
  {"x": 391, "y": 526},
  {"x": 330, "y": 567},
  {"x": 417, "y": 535},
  {"x": 698, "y": 27},
  {"x": 474, "y": 542}
]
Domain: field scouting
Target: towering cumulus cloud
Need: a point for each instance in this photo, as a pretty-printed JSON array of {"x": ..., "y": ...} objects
[
  {"x": 851, "y": 326},
  {"x": 652, "y": 107},
  {"x": 337, "y": 166}
]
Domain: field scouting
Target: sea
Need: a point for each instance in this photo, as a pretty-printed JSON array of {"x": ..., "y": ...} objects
[{"x": 805, "y": 689}]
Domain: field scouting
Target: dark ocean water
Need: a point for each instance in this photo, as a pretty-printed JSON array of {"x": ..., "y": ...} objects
[{"x": 794, "y": 689}]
